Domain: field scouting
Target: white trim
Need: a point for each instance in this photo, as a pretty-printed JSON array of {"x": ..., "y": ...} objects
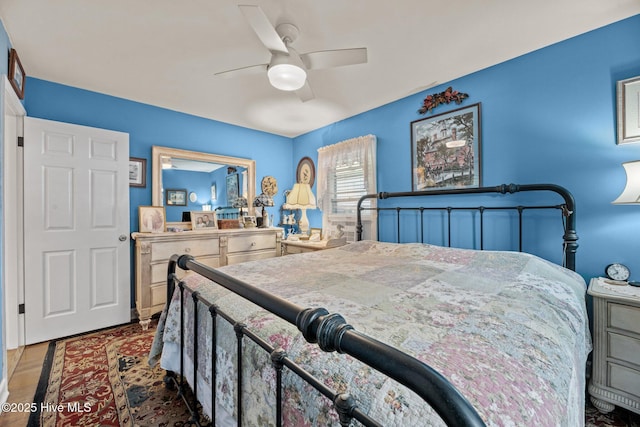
[{"x": 12, "y": 278}]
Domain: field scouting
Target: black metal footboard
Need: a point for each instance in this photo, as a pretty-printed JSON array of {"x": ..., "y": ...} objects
[
  {"x": 330, "y": 332},
  {"x": 567, "y": 209}
]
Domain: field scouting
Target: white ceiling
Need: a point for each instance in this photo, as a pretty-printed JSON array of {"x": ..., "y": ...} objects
[{"x": 165, "y": 52}]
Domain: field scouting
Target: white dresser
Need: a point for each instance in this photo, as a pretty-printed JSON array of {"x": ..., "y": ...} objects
[
  {"x": 214, "y": 248},
  {"x": 615, "y": 380}
]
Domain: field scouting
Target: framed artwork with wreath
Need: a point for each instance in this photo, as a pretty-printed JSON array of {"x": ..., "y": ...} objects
[
  {"x": 306, "y": 172},
  {"x": 446, "y": 150}
]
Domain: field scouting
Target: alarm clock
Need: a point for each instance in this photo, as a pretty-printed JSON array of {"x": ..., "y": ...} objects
[{"x": 617, "y": 271}]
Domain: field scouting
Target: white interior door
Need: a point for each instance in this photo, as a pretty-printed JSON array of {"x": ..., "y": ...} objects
[{"x": 76, "y": 220}]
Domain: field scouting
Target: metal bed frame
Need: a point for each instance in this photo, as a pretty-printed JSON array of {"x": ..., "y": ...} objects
[
  {"x": 330, "y": 332},
  {"x": 567, "y": 209}
]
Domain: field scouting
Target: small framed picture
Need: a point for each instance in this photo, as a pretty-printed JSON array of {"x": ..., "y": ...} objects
[
  {"x": 17, "y": 76},
  {"x": 214, "y": 192},
  {"x": 628, "y": 95},
  {"x": 176, "y": 197},
  {"x": 203, "y": 219},
  {"x": 137, "y": 172},
  {"x": 151, "y": 219}
]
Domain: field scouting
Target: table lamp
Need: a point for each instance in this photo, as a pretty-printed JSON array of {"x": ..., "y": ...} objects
[
  {"x": 301, "y": 197},
  {"x": 241, "y": 203},
  {"x": 263, "y": 200}
]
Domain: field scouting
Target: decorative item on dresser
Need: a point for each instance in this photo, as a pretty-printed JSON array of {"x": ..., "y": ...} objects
[
  {"x": 615, "y": 380},
  {"x": 212, "y": 247},
  {"x": 261, "y": 201}
]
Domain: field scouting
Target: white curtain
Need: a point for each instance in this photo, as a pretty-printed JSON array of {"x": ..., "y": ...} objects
[{"x": 360, "y": 151}]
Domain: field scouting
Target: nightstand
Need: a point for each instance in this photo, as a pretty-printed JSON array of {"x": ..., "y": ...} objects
[
  {"x": 615, "y": 380},
  {"x": 301, "y": 246}
]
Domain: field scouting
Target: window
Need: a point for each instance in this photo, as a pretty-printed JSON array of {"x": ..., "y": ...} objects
[{"x": 346, "y": 172}]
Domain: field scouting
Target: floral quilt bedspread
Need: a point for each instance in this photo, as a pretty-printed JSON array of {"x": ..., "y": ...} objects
[{"x": 509, "y": 330}]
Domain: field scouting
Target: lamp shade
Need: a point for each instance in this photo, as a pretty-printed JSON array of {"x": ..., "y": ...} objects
[
  {"x": 240, "y": 202},
  {"x": 263, "y": 200},
  {"x": 631, "y": 192},
  {"x": 300, "y": 197}
]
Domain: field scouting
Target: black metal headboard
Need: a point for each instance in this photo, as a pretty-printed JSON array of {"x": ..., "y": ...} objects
[{"x": 567, "y": 208}]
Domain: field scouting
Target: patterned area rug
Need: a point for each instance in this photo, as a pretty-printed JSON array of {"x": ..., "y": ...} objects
[
  {"x": 103, "y": 379},
  {"x": 617, "y": 418}
]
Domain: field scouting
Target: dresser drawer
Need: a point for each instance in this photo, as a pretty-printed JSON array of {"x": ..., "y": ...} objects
[
  {"x": 624, "y": 317},
  {"x": 249, "y": 256},
  {"x": 624, "y": 348},
  {"x": 197, "y": 247},
  {"x": 254, "y": 242},
  {"x": 159, "y": 270},
  {"x": 624, "y": 379}
]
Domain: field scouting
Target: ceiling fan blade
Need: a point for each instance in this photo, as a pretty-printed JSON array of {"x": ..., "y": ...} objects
[
  {"x": 305, "y": 93},
  {"x": 251, "y": 69},
  {"x": 334, "y": 58},
  {"x": 263, "y": 28}
]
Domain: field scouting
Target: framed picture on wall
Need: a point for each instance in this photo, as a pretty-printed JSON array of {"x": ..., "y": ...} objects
[
  {"x": 446, "y": 150},
  {"x": 214, "y": 192},
  {"x": 628, "y": 94},
  {"x": 137, "y": 172},
  {"x": 233, "y": 188},
  {"x": 176, "y": 197},
  {"x": 17, "y": 76}
]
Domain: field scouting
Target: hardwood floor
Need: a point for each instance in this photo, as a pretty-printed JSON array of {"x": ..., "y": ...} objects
[{"x": 23, "y": 383}]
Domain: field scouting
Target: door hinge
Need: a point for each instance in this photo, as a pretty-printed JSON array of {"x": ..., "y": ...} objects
[
  {"x": 21, "y": 141},
  {"x": 20, "y": 308}
]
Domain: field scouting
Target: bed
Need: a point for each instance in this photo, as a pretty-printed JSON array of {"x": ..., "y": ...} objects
[{"x": 425, "y": 335}]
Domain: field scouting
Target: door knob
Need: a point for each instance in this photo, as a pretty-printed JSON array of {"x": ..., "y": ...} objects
[{"x": 122, "y": 237}]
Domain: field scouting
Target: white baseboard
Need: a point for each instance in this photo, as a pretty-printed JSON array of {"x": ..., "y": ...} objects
[{"x": 4, "y": 391}]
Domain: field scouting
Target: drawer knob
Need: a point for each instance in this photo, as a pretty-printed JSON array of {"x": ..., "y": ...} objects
[
  {"x": 187, "y": 250},
  {"x": 253, "y": 243}
]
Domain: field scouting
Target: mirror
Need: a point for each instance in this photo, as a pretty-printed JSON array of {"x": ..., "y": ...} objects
[{"x": 202, "y": 170}]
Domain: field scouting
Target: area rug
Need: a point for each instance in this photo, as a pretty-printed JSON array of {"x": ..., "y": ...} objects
[{"x": 103, "y": 379}]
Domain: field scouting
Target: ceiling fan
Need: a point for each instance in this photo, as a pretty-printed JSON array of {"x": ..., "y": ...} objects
[{"x": 287, "y": 69}]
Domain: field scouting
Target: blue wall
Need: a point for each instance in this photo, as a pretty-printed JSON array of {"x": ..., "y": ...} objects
[{"x": 548, "y": 116}]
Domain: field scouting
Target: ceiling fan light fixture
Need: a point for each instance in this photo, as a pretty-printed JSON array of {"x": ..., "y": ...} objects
[{"x": 286, "y": 76}]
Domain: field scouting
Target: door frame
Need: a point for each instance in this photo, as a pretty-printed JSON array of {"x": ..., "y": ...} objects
[{"x": 13, "y": 333}]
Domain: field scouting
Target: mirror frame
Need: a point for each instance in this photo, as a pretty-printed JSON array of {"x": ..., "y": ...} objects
[{"x": 158, "y": 152}]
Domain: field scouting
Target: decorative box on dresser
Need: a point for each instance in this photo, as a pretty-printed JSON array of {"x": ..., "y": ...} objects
[
  {"x": 214, "y": 248},
  {"x": 615, "y": 380}
]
